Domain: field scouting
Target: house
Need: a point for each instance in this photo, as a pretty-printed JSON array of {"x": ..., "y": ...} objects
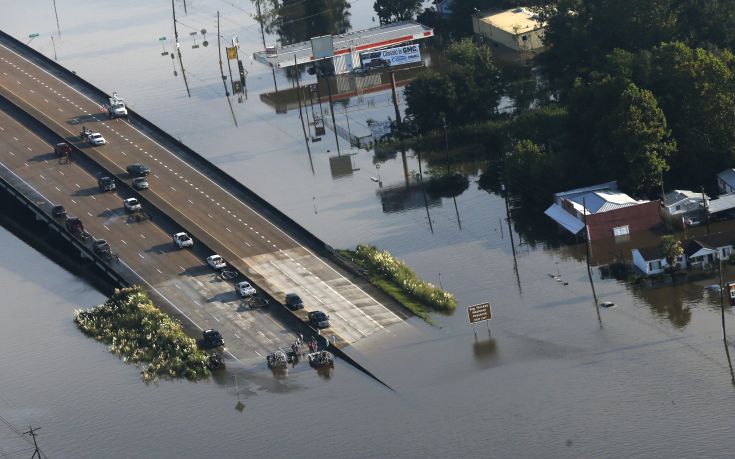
[
  {"x": 680, "y": 203},
  {"x": 703, "y": 251},
  {"x": 726, "y": 181},
  {"x": 651, "y": 261},
  {"x": 608, "y": 212},
  {"x": 444, "y": 7},
  {"x": 518, "y": 29}
]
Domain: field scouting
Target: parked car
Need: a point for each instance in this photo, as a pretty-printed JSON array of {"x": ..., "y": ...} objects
[
  {"x": 694, "y": 221},
  {"x": 62, "y": 149},
  {"x": 293, "y": 302},
  {"x": 245, "y": 289},
  {"x": 131, "y": 205},
  {"x": 140, "y": 183},
  {"x": 138, "y": 170},
  {"x": 106, "y": 184},
  {"x": 96, "y": 138},
  {"x": 183, "y": 240},
  {"x": 212, "y": 338},
  {"x": 101, "y": 247},
  {"x": 319, "y": 319},
  {"x": 216, "y": 262},
  {"x": 58, "y": 212}
]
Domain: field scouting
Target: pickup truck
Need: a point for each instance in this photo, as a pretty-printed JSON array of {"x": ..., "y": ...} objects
[
  {"x": 131, "y": 205},
  {"x": 182, "y": 240},
  {"x": 245, "y": 289},
  {"x": 216, "y": 262}
]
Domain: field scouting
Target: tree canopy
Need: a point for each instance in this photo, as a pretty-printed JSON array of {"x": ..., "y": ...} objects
[{"x": 396, "y": 10}]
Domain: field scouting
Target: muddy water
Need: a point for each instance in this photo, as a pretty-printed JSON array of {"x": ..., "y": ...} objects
[{"x": 553, "y": 377}]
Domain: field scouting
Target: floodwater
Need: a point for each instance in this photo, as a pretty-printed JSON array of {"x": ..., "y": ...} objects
[{"x": 555, "y": 377}]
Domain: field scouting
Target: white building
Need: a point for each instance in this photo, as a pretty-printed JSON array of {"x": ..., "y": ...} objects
[
  {"x": 518, "y": 29},
  {"x": 650, "y": 260},
  {"x": 681, "y": 202},
  {"x": 726, "y": 181}
]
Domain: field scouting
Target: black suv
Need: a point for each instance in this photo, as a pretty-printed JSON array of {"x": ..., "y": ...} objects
[
  {"x": 212, "y": 338},
  {"x": 138, "y": 170},
  {"x": 293, "y": 302},
  {"x": 106, "y": 184},
  {"x": 319, "y": 319}
]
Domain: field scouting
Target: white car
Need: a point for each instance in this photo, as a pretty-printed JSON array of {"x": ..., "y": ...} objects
[
  {"x": 96, "y": 138},
  {"x": 245, "y": 289},
  {"x": 183, "y": 240},
  {"x": 131, "y": 205},
  {"x": 216, "y": 262}
]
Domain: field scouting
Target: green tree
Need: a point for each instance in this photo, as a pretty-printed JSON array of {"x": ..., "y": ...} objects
[
  {"x": 428, "y": 98},
  {"x": 640, "y": 137},
  {"x": 671, "y": 249},
  {"x": 396, "y": 10}
]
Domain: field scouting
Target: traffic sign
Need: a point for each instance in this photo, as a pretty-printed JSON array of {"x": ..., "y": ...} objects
[
  {"x": 731, "y": 291},
  {"x": 479, "y": 313},
  {"x": 231, "y": 52},
  {"x": 236, "y": 87}
]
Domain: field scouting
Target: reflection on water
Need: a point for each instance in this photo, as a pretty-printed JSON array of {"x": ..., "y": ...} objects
[{"x": 295, "y": 21}]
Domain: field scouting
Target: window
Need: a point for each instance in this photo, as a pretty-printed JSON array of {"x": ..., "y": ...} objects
[
  {"x": 524, "y": 37},
  {"x": 678, "y": 207},
  {"x": 653, "y": 265},
  {"x": 621, "y": 231}
]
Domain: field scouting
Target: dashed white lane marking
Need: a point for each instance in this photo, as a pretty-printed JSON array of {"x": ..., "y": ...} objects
[
  {"x": 77, "y": 185},
  {"x": 228, "y": 229},
  {"x": 60, "y": 172},
  {"x": 141, "y": 256},
  {"x": 90, "y": 214},
  {"x": 142, "y": 236},
  {"x": 105, "y": 226},
  {"x": 213, "y": 317},
  {"x": 73, "y": 201},
  {"x": 159, "y": 271},
  {"x": 42, "y": 176},
  {"x": 190, "y": 201},
  {"x": 123, "y": 241},
  {"x": 93, "y": 198},
  {"x": 57, "y": 189},
  {"x": 11, "y": 153},
  {"x": 259, "y": 354}
]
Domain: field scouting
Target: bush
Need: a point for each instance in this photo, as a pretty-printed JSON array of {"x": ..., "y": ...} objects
[
  {"x": 137, "y": 331},
  {"x": 394, "y": 270}
]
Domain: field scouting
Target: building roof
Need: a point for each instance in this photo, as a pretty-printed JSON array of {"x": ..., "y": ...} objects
[
  {"x": 676, "y": 196},
  {"x": 724, "y": 202},
  {"x": 651, "y": 253},
  {"x": 516, "y": 21},
  {"x": 564, "y": 218},
  {"x": 727, "y": 176},
  {"x": 709, "y": 242},
  {"x": 598, "y": 198}
]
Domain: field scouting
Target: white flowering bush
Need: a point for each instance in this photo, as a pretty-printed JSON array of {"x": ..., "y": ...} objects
[
  {"x": 397, "y": 272},
  {"x": 138, "y": 332}
]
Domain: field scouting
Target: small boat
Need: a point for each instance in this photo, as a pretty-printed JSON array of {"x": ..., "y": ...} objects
[{"x": 321, "y": 359}]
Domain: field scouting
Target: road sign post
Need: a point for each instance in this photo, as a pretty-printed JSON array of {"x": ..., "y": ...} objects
[
  {"x": 731, "y": 291},
  {"x": 480, "y": 313}
]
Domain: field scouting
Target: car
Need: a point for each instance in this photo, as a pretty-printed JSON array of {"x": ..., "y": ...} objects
[
  {"x": 182, "y": 240},
  {"x": 106, "y": 184},
  {"x": 138, "y": 170},
  {"x": 58, "y": 212},
  {"x": 319, "y": 319},
  {"x": 377, "y": 63},
  {"x": 212, "y": 338},
  {"x": 131, "y": 205},
  {"x": 96, "y": 138},
  {"x": 293, "y": 302},
  {"x": 245, "y": 289},
  {"x": 62, "y": 149},
  {"x": 101, "y": 247},
  {"x": 216, "y": 262},
  {"x": 140, "y": 183}
]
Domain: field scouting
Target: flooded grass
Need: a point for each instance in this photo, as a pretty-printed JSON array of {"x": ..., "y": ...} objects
[
  {"x": 398, "y": 280},
  {"x": 137, "y": 331}
]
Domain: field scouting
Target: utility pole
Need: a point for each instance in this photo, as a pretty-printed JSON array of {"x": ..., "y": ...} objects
[
  {"x": 722, "y": 311},
  {"x": 587, "y": 257},
  {"x": 260, "y": 21},
  {"x": 54, "y": 46},
  {"x": 32, "y": 432},
  {"x": 331, "y": 109},
  {"x": 395, "y": 96},
  {"x": 301, "y": 116},
  {"x": 178, "y": 49},
  {"x": 705, "y": 204},
  {"x": 446, "y": 144},
  {"x": 56, "y": 13},
  {"x": 222, "y": 71}
]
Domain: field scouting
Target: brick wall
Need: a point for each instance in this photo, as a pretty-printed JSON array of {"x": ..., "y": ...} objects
[{"x": 638, "y": 218}]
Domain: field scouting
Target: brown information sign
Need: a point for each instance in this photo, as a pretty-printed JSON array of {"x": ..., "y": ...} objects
[
  {"x": 479, "y": 313},
  {"x": 231, "y": 52}
]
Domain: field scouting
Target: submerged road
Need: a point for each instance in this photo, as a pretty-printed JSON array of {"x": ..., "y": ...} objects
[{"x": 272, "y": 259}]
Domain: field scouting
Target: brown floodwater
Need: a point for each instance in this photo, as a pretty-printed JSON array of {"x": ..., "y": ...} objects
[{"x": 553, "y": 376}]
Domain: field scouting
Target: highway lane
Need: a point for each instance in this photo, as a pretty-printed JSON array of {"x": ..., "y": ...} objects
[
  {"x": 147, "y": 248},
  {"x": 272, "y": 259}
]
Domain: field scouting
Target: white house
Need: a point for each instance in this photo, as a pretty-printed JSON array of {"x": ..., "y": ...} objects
[
  {"x": 726, "y": 181},
  {"x": 651, "y": 261},
  {"x": 678, "y": 203},
  {"x": 519, "y": 29},
  {"x": 704, "y": 251}
]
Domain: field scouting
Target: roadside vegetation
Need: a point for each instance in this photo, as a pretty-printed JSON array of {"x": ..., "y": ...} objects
[
  {"x": 137, "y": 331},
  {"x": 399, "y": 281}
]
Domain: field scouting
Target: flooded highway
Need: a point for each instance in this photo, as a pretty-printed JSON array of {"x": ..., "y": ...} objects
[{"x": 554, "y": 376}]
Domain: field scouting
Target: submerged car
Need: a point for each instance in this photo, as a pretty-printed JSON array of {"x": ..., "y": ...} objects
[
  {"x": 319, "y": 319},
  {"x": 245, "y": 289},
  {"x": 183, "y": 240},
  {"x": 212, "y": 338}
]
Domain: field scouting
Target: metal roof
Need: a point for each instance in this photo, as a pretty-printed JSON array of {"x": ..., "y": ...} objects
[
  {"x": 564, "y": 218},
  {"x": 728, "y": 176},
  {"x": 724, "y": 202},
  {"x": 516, "y": 21},
  {"x": 357, "y": 41}
]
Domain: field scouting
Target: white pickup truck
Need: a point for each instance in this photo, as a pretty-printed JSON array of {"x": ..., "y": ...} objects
[
  {"x": 216, "y": 262},
  {"x": 131, "y": 205},
  {"x": 182, "y": 240},
  {"x": 117, "y": 108}
]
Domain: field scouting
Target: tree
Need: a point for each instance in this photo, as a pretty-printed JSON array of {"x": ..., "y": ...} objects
[
  {"x": 671, "y": 249},
  {"x": 396, "y": 10},
  {"x": 428, "y": 97}
]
